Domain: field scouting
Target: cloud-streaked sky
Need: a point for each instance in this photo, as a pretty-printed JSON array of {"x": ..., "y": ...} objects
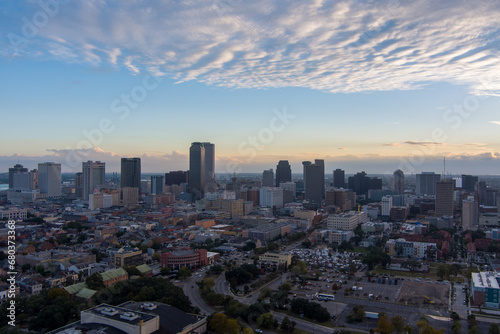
[{"x": 372, "y": 85}]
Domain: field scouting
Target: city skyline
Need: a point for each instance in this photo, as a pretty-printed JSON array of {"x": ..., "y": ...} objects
[{"x": 361, "y": 85}]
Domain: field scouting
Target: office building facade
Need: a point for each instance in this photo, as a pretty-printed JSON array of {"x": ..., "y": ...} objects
[
  {"x": 314, "y": 181},
  {"x": 49, "y": 178},
  {"x": 18, "y": 168},
  {"x": 268, "y": 178},
  {"x": 426, "y": 183},
  {"x": 339, "y": 178},
  {"x": 93, "y": 174},
  {"x": 445, "y": 203},
  {"x": 131, "y": 173},
  {"x": 399, "y": 181},
  {"x": 157, "y": 184},
  {"x": 283, "y": 172}
]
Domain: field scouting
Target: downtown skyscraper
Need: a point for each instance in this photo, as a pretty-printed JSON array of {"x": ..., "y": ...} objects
[
  {"x": 283, "y": 172},
  {"x": 49, "y": 178},
  {"x": 130, "y": 173},
  {"x": 201, "y": 167},
  {"x": 314, "y": 180},
  {"x": 93, "y": 174},
  {"x": 399, "y": 181}
]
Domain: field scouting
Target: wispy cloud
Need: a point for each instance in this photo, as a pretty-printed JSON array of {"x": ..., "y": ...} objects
[
  {"x": 422, "y": 143},
  {"x": 346, "y": 46},
  {"x": 415, "y": 142},
  {"x": 495, "y": 122}
]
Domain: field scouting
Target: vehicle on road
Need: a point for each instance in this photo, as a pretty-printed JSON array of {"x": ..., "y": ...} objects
[{"x": 325, "y": 297}]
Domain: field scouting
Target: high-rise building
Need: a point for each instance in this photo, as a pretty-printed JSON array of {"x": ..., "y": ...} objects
[
  {"x": 197, "y": 169},
  {"x": 93, "y": 177},
  {"x": 445, "y": 204},
  {"x": 314, "y": 180},
  {"x": 268, "y": 178},
  {"x": 49, "y": 178},
  {"x": 209, "y": 162},
  {"x": 339, "y": 178},
  {"x": 386, "y": 206},
  {"x": 468, "y": 182},
  {"x": 399, "y": 181},
  {"x": 16, "y": 169},
  {"x": 176, "y": 177},
  {"x": 360, "y": 183},
  {"x": 283, "y": 172},
  {"x": 480, "y": 188},
  {"x": 131, "y": 173},
  {"x": 426, "y": 183},
  {"x": 344, "y": 199},
  {"x": 79, "y": 184},
  {"x": 271, "y": 197},
  {"x": 157, "y": 184},
  {"x": 470, "y": 214}
]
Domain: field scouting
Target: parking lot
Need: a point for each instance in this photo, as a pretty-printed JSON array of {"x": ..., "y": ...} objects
[{"x": 376, "y": 289}]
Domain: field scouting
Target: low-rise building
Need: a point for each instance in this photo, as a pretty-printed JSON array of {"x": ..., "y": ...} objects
[
  {"x": 185, "y": 258},
  {"x": 275, "y": 259},
  {"x": 486, "y": 289}
]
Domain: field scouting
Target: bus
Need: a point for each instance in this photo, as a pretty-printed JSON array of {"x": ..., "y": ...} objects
[{"x": 325, "y": 297}]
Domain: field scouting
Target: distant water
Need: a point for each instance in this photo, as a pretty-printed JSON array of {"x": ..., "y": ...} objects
[{"x": 4, "y": 186}]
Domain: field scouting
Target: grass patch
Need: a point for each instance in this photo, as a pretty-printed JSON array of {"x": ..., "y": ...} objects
[{"x": 361, "y": 250}]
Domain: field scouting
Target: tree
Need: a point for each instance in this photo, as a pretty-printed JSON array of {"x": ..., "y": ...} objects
[
  {"x": 474, "y": 330},
  {"x": 286, "y": 287},
  {"x": 156, "y": 257},
  {"x": 300, "y": 268},
  {"x": 184, "y": 272},
  {"x": 398, "y": 323},
  {"x": 412, "y": 264},
  {"x": 265, "y": 292},
  {"x": 231, "y": 326},
  {"x": 165, "y": 271},
  {"x": 218, "y": 322},
  {"x": 94, "y": 281},
  {"x": 285, "y": 324},
  {"x": 306, "y": 244},
  {"x": 443, "y": 270},
  {"x": 384, "y": 326},
  {"x": 456, "y": 327},
  {"x": 266, "y": 320},
  {"x": 57, "y": 292},
  {"x": 25, "y": 267},
  {"x": 425, "y": 328},
  {"x": 494, "y": 329},
  {"x": 73, "y": 225},
  {"x": 132, "y": 270},
  {"x": 81, "y": 238},
  {"x": 249, "y": 246}
]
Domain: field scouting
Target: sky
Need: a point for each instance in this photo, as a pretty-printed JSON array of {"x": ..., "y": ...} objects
[{"x": 365, "y": 85}]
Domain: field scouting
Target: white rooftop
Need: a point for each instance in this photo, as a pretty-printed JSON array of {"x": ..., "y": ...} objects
[{"x": 485, "y": 280}]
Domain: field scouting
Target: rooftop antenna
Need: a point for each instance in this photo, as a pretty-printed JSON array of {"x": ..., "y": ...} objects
[{"x": 444, "y": 167}]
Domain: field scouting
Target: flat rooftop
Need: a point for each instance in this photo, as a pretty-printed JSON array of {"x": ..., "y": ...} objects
[
  {"x": 117, "y": 313},
  {"x": 485, "y": 280}
]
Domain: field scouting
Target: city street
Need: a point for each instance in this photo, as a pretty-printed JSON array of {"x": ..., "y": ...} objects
[{"x": 192, "y": 292}]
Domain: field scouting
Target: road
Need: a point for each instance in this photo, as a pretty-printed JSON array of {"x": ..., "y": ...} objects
[
  {"x": 310, "y": 326},
  {"x": 192, "y": 292}
]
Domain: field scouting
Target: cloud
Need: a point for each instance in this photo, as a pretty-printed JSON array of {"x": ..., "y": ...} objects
[
  {"x": 495, "y": 122},
  {"x": 415, "y": 142},
  {"x": 422, "y": 143},
  {"x": 347, "y": 46}
]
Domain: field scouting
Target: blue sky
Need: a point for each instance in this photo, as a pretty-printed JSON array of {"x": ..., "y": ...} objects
[{"x": 365, "y": 85}]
